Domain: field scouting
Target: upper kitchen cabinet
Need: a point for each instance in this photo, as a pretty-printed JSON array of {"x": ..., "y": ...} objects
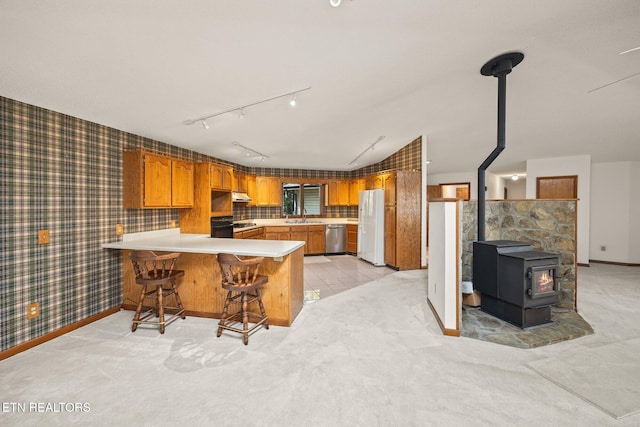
[
  {"x": 181, "y": 184},
  {"x": 251, "y": 189},
  {"x": 338, "y": 192},
  {"x": 148, "y": 182},
  {"x": 240, "y": 182},
  {"x": 375, "y": 182},
  {"x": 268, "y": 191},
  {"x": 207, "y": 203},
  {"x": 355, "y": 187},
  {"x": 221, "y": 178}
]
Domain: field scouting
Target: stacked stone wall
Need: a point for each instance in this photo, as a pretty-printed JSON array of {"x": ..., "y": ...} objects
[{"x": 549, "y": 225}]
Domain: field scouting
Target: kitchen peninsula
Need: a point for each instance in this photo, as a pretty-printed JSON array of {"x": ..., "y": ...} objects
[{"x": 200, "y": 289}]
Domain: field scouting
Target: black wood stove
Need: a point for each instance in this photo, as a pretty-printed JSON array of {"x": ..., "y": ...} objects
[{"x": 516, "y": 283}]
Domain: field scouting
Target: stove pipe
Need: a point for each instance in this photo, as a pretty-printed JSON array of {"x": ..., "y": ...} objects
[{"x": 498, "y": 67}]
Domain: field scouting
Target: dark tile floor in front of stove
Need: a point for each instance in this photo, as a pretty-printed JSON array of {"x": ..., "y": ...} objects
[{"x": 329, "y": 275}]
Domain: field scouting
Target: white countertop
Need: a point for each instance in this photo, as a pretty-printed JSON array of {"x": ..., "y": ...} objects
[
  {"x": 171, "y": 240},
  {"x": 292, "y": 222}
]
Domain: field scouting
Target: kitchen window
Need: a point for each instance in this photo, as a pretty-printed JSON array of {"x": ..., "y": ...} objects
[{"x": 302, "y": 199}]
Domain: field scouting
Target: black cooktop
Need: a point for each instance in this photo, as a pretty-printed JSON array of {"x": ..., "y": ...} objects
[{"x": 244, "y": 224}]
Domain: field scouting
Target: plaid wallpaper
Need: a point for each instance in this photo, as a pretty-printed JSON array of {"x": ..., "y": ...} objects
[{"x": 64, "y": 174}]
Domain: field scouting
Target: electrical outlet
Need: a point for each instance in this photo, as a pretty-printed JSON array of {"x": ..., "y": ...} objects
[
  {"x": 33, "y": 310},
  {"x": 172, "y": 223},
  {"x": 119, "y": 229},
  {"x": 43, "y": 237}
]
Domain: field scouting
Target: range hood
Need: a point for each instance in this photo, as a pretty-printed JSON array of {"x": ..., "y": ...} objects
[{"x": 240, "y": 197}]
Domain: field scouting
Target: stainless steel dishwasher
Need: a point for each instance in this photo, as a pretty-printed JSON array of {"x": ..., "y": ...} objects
[{"x": 335, "y": 238}]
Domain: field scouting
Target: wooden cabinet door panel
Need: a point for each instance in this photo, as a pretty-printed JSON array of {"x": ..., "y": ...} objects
[
  {"x": 557, "y": 187},
  {"x": 316, "y": 241},
  {"x": 181, "y": 183},
  {"x": 157, "y": 181}
]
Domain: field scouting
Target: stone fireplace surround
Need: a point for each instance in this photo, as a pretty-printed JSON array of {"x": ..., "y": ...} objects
[{"x": 550, "y": 226}]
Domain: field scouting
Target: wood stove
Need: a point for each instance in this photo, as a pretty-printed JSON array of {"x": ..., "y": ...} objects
[{"x": 516, "y": 283}]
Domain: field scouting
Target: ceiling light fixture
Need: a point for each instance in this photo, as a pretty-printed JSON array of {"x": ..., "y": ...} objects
[
  {"x": 371, "y": 147},
  {"x": 242, "y": 107},
  {"x": 514, "y": 177},
  {"x": 250, "y": 151},
  {"x": 241, "y": 114},
  {"x": 334, "y": 3},
  {"x": 205, "y": 125}
]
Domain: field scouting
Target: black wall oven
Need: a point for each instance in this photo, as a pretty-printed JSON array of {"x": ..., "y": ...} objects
[{"x": 222, "y": 227}]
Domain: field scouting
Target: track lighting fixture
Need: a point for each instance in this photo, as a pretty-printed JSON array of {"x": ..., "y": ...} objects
[
  {"x": 371, "y": 147},
  {"x": 334, "y": 3},
  {"x": 293, "y": 102},
  {"x": 249, "y": 151}
]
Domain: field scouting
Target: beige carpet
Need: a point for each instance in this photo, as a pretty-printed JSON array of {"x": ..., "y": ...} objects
[{"x": 607, "y": 376}]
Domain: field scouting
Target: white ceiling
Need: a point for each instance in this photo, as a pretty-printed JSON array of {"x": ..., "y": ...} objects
[{"x": 376, "y": 67}]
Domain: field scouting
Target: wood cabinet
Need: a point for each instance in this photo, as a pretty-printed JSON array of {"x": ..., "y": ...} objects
[
  {"x": 277, "y": 233},
  {"x": 375, "y": 182},
  {"x": 311, "y": 235},
  {"x": 153, "y": 181},
  {"x": 390, "y": 236},
  {"x": 254, "y": 233},
  {"x": 352, "y": 238},
  {"x": 181, "y": 183},
  {"x": 315, "y": 240},
  {"x": 207, "y": 202},
  {"x": 240, "y": 182},
  {"x": 402, "y": 227},
  {"x": 221, "y": 177},
  {"x": 355, "y": 187},
  {"x": 268, "y": 191},
  {"x": 251, "y": 189},
  {"x": 338, "y": 192}
]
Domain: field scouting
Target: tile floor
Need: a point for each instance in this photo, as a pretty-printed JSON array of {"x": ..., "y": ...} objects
[{"x": 331, "y": 274}]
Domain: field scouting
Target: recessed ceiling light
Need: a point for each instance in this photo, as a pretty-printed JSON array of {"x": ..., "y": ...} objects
[{"x": 334, "y": 3}]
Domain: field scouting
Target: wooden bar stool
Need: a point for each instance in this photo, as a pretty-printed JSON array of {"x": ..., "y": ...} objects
[
  {"x": 157, "y": 276},
  {"x": 241, "y": 280}
]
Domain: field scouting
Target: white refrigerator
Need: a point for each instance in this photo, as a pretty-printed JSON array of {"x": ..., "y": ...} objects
[{"x": 371, "y": 226}]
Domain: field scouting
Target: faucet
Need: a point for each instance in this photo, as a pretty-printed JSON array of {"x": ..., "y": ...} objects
[{"x": 304, "y": 214}]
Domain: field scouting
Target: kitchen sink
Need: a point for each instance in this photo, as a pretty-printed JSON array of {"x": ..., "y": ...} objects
[{"x": 303, "y": 221}]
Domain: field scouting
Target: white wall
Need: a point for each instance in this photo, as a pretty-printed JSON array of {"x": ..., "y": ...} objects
[
  {"x": 444, "y": 262},
  {"x": 634, "y": 226},
  {"x": 615, "y": 210},
  {"x": 563, "y": 166}
]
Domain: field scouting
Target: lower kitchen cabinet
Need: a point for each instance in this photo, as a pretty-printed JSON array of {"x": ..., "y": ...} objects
[
  {"x": 352, "y": 238},
  {"x": 277, "y": 233},
  {"x": 315, "y": 240}
]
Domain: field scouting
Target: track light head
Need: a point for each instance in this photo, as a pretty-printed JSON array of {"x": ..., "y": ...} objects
[
  {"x": 205, "y": 125},
  {"x": 293, "y": 101}
]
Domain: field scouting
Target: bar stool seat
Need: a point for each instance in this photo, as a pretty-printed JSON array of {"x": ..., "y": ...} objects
[
  {"x": 157, "y": 276},
  {"x": 242, "y": 282}
]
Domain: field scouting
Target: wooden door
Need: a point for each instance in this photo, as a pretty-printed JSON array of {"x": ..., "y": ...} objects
[{"x": 557, "y": 187}]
